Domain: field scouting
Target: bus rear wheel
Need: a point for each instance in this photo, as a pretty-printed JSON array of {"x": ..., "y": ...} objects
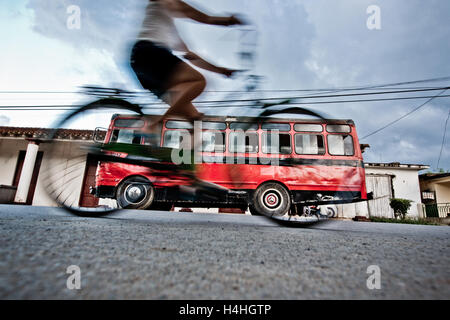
[
  {"x": 272, "y": 200},
  {"x": 135, "y": 193}
]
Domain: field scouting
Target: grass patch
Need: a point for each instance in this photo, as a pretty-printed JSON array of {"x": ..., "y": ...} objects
[{"x": 404, "y": 221}]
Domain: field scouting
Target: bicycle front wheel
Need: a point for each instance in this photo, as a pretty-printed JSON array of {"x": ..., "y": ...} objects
[{"x": 74, "y": 148}]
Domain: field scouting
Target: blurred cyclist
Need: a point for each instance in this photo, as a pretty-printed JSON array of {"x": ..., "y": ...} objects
[{"x": 160, "y": 71}]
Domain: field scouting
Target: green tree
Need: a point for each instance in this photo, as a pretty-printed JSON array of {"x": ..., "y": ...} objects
[{"x": 400, "y": 207}]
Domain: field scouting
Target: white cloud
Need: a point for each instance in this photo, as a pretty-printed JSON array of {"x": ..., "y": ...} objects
[
  {"x": 4, "y": 121},
  {"x": 303, "y": 44}
]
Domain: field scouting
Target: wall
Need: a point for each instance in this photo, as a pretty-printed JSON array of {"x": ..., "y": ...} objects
[
  {"x": 443, "y": 192},
  {"x": 381, "y": 187},
  {"x": 63, "y": 167},
  {"x": 405, "y": 184},
  {"x": 66, "y": 167},
  {"x": 9, "y": 152}
]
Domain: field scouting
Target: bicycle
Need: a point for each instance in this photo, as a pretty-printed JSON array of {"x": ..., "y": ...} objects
[{"x": 62, "y": 177}]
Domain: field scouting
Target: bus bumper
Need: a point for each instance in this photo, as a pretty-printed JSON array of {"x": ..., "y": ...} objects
[{"x": 103, "y": 191}]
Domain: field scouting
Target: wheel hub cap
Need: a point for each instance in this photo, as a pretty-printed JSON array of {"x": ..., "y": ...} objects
[
  {"x": 272, "y": 200},
  {"x": 135, "y": 194}
]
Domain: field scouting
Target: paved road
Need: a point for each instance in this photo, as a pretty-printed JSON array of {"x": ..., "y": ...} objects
[{"x": 156, "y": 255}]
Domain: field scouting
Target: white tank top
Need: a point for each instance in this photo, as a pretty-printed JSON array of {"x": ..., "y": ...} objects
[{"x": 159, "y": 27}]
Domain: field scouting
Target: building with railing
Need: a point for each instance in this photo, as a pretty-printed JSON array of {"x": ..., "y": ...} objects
[{"x": 435, "y": 191}]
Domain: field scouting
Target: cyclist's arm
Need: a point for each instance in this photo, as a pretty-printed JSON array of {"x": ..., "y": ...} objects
[
  {"x": 198, "y": 61},
  {"x": 182, "y": 9}
]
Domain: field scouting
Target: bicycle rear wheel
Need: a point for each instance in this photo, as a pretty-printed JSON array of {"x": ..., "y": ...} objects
[{"x": 73, "y": 155}]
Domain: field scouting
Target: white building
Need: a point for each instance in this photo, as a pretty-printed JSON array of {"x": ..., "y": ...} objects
[
  {"x": 386, "y": 181},
  {"x": 24, "y": 155}
]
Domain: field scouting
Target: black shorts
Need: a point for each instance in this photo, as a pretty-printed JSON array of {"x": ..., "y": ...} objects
[{"x": 153, "y": 65}]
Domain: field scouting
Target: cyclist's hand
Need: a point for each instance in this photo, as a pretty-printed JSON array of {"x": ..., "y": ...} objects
[
  {"x": 236, "y": 20},
  {"x": 227, "y": 72}
]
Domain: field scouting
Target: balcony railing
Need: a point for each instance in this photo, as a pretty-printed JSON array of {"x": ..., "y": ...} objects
[{"x": 439, "y": 210}]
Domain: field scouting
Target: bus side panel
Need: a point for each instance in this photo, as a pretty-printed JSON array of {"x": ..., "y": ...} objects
[
  {"x": 112, "y": 174},
  {"x": 307, "y": 177},
  {"x": 247, "y": 177}
]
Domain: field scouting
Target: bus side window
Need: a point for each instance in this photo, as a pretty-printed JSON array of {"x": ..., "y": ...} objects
[
  {"x": 276, "y": 143},
  {"x": 309, "y": 144},
  {"x": 213, "y": 141},
  {"x": 241, "y": 142},
  {"x": 176, "y": 138},
  {"x": 340, "y": 145},
  {"x": 126, "y": 136}
]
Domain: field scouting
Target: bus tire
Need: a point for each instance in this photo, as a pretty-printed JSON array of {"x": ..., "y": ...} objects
[
  {"x": 135, "y": 193},
  {"x": 331, "y": 212},
  {"x": 272, "y": 199},
  {"x": 253, "y": 211}
]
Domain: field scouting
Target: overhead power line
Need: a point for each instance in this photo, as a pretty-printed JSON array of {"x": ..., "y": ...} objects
[
  {"x": 443, "y": 140},
  {"x": 405, "y": 115},
  {"x": 354, "y": 88},
  {"x": 154, "y": 106},
  {"x": 315, "y": 96},
  {"x": 146, "y": 92},
  {"x": 325, "y": 96}
]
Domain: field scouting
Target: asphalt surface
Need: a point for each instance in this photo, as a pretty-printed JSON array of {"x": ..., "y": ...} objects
[{"x": 157, "y": 255}]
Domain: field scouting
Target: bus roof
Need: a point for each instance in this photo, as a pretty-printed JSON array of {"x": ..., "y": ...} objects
[{"x": 248, "y": 119}]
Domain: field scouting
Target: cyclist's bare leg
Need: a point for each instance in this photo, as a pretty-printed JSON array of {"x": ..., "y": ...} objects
[{"x": 185, "y": 85}]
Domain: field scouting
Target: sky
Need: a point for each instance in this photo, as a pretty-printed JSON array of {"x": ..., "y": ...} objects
[{"x": 302, "y": 44}]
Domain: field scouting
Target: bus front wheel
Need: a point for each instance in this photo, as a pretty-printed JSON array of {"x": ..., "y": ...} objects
[
  {"x": 272, "y": 199},
  {"x": 135, "y": 193}
]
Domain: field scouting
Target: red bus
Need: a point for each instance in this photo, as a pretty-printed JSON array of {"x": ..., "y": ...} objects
[{"x": 274, "y": 168}]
